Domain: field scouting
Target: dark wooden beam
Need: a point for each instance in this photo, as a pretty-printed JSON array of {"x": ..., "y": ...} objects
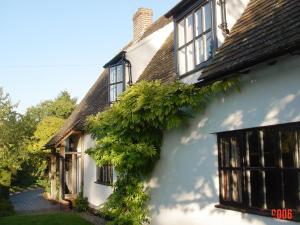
[{"x": 52, "y": 174}]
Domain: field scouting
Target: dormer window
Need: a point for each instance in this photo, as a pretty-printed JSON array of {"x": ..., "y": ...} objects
[
  {"x": 194, "y": 38},
  {"x": 116, "y": 82},
  {"x": 119, "y": 75}
]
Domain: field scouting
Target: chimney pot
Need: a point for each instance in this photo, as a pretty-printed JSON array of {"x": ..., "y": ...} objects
[{"x": 142, "y": 19}]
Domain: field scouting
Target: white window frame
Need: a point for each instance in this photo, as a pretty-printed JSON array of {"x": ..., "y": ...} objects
[
  {"x": 116, "y": 82},
  {"x": 183, "y": 66}
]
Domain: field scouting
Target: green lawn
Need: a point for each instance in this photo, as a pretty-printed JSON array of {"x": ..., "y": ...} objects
[{"x": 47, "y": 219}]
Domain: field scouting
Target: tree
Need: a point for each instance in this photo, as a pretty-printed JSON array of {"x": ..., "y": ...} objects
[
  {"x": 12, "y": 139},
  {"x": 61, "y": 107},
  {"x": 42, "y": 122}
]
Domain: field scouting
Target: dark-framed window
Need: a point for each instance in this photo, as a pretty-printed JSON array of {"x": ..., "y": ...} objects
[
  {"x": 116, "y": 81},
  {"x": 259, "y": 168},
  {"x": 195, "y": 38},
  {"x": 105, "y": 175}
]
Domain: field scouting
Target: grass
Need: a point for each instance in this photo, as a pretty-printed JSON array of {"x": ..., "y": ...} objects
[{"x": 47, "y": 219}]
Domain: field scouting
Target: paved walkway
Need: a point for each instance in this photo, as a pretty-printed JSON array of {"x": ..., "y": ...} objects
[{"x": 32, "y": 202}]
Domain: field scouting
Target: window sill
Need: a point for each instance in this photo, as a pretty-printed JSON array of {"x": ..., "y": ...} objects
[
  {"x": 260, "y": 212},
  {"x": 104, "y": 184},
  {"x": 198, "y": 68}
]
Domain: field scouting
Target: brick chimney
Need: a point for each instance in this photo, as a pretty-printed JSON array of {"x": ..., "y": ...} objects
[{"x": 142, "y": 19}]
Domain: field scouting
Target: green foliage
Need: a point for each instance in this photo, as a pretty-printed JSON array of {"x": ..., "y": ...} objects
[
  {"x": 38, "y": 160},
  {"x": 60, "y": 107},
  {"x": 6, "y": 208},
  {"x": 45, "y": 129},
  {"x": 81, "y": 203},
  {"x": 129, "y": 137},
  {"x": 12, "y": 139},
  {"x": 40, "y": 123}
]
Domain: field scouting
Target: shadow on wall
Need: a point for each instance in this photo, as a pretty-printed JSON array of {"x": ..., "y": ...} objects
[{"x": 184, "y": 187}]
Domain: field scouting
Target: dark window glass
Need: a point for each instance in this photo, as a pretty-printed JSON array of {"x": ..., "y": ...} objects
[
  {"x": 225, "y": 181},
  {"x": 231, "y": 176},
  {"x": 105, "y": 175},
  {"x": 271, "y": 147},
  {"x": 254, "y": 150},
  {"x": 259, "y": 168},
  {"x": 235, "y": 152},
  {"x": 288, "y": 148},
  {"x": 225, "y": 152},
  {"x": 236, "y": 186},
  {"x": 231, "y": 186},
  {"x": 273, "y": 189},
  {"x": 291, "y": 189},
  {"x": 256, "y": 189}
]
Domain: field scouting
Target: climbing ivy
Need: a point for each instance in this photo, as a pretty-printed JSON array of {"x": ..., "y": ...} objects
[{"x": 129, "y": 136}]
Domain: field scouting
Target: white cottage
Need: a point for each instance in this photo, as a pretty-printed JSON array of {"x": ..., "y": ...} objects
[
  {"x": 76, "y": 170},
  {"x": 239, "y": 162}
]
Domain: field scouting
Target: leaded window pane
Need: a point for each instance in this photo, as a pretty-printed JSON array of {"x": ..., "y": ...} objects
[
  {"x": 273, "y": 189},
  {"x": 181, "y": 33},
  {"x": 181, "y": 61},
  {"x": 236, "y": 183},
  {"x": 112, "y": 93},
  {"x": 288, "y": 148},
  {"x": 271, "y": 147},
  {"x": 208, "y": 45},
  {"x": 120, "y": 73},
  {"x": 225, "y": 149},
  {"x": 253, "y": 149},
  {"x": 198, "y": 22},
  {"x": 190, "y": 57},
  {"x": 119, "y": 89},
  {"x": 291, "y": 189},
  {"x": 235, "y": 153},
  {"x": 207, "y": 16},
  {"x": 225, "y": 183},
  {"x": 189, "y": 28},
  {"x": 256, "y": 189},
  {"x": 200, "y": 55},
  {"x": 113, "y": 75}
]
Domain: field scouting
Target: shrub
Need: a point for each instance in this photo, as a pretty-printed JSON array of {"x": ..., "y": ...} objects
[
  {"x": 4, "y": 193},
  {"x": 81, "y": 203},
  {"x": 6, "y": 208}
]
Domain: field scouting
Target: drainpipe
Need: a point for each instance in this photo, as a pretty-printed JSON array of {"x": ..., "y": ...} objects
[
  {"x": 223, "y": 26},
  {"x": 128, "y": 65}
]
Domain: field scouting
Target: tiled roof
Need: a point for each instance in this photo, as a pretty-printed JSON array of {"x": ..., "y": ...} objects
[
  {"x": 267, "y": 29},
  {"x": 161, "y": 67}
]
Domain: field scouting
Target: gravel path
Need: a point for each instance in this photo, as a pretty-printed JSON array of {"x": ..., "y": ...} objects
[{"x": 32, "y": 201}]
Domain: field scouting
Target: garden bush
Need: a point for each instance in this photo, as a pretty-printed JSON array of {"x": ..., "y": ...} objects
[{"x": 81, "y": 203}]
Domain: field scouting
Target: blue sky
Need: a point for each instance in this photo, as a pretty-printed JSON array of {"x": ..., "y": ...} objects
[{"x": 50, "y": 46}]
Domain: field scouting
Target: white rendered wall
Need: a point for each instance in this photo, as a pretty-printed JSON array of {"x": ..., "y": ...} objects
[
  {"x": 184, "y": 185},
  {"x": 97, "y": 194},
  {"x": 141, "y": 53}
]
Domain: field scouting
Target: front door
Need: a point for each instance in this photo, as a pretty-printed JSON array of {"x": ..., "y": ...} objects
[{"x": 71, "y": 163}]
